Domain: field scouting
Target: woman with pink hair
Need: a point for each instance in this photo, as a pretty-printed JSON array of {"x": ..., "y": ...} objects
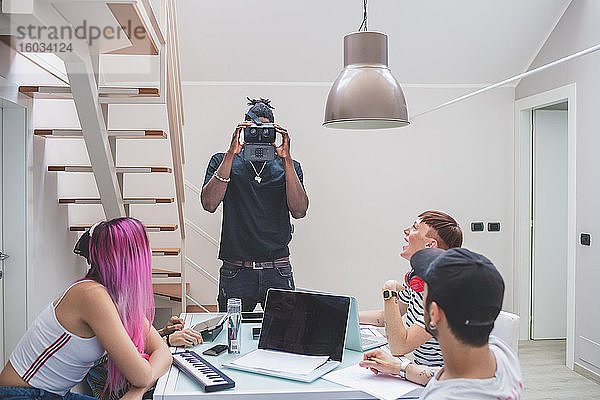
[{"x": 109, "y": 311}]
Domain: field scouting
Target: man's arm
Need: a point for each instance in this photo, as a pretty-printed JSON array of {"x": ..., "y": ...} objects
[
  {"x": 297, "y": 199},
  {"x": 420, "y": 374},
  {"x": 214, "y": 191},
  {"x": 400, "y": 339}
]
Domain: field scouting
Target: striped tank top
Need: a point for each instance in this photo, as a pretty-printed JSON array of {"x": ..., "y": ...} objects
[
  {"x": 51, "y": 358},
  {"x": 429, "y": 353}
]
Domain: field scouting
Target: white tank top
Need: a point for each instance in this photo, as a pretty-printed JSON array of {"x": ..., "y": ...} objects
[{"x": 51, "y": 358}]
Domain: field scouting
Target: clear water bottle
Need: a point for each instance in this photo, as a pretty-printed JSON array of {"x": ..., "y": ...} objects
[{"x": 234, "y": 325}]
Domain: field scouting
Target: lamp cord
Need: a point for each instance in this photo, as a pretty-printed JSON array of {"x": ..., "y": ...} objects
[{"x": 364, "y": 21}]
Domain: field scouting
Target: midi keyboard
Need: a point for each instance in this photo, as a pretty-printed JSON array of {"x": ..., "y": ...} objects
[{"x": 208, "y": 376}]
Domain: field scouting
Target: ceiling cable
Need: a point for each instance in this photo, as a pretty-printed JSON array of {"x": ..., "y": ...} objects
[
  {"x": 364, "y": 21},
  {"x": 514, "y": 78}
]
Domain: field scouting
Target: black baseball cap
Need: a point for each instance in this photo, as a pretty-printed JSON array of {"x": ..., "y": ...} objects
[{"x": 465, "y": 284}]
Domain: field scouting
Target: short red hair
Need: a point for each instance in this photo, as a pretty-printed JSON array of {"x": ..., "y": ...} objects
[{"x": 442, "y": 228}]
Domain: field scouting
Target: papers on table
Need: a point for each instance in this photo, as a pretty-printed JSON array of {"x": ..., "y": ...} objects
[
  {"x": 279, "y": 361},
  {"x": 382, "y": 386}
]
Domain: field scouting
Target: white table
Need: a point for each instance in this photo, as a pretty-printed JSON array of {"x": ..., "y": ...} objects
[{"x": 175, "y": 385}]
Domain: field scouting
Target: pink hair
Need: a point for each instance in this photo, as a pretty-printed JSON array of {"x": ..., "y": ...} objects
[{"x": 120, "y": 260}]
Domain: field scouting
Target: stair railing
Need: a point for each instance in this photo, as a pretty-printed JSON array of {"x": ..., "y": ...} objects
[{"x": 174, "y": 102}]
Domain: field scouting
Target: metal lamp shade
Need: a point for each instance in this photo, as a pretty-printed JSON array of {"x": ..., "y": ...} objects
[{"x": 365, "y": 95}]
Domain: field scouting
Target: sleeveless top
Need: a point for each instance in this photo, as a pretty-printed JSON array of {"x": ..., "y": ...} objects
[{"x": 51, "y": 358}]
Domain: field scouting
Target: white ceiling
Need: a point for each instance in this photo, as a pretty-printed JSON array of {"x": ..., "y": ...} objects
[{"x": 430, "y": 41}]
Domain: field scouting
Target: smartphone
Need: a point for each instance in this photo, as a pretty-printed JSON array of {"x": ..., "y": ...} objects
[{"x": 215, "y": 350}]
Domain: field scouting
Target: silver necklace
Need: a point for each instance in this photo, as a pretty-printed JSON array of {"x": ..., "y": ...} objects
[{"x": 257, "y": 178}]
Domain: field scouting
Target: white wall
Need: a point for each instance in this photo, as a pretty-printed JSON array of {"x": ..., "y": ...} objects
[
  {"x": 366, "y": 187},
  {"x": 50, "y": 261},
  {"x": 579, "y": 28}
]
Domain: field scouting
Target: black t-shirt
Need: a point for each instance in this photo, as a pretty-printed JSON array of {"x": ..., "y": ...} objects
[{"x": 256, "y": 218}]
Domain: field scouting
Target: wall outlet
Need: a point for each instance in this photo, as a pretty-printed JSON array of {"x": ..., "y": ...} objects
[
  {"x": 477, "y": 226},
  {"x": 493, "y": 226},
  {"x": 586, "y": 239}
]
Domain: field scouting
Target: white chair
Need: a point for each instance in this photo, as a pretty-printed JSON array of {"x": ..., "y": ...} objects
[{"x": 506, "y": 327}]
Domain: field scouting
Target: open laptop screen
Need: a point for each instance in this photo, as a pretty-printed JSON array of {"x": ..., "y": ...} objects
[{"x": 305, "y": 323}]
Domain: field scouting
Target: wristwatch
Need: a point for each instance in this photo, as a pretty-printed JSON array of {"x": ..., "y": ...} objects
[
  {"x": 388, "y": 294},
  {"x": 404, "y": 363}
]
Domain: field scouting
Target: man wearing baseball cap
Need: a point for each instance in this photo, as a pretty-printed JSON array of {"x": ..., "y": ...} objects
[{"x": 463, "y": 296}]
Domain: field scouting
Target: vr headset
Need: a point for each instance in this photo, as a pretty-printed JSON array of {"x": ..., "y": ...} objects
[
  {"x": 82, "y": 247},
  {"x": 259, "y": 138}
]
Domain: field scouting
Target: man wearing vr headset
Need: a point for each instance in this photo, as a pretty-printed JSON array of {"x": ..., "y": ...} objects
[
  {"x": 402, "y": 315},
  {"x": 463, "y": 297},
  {"x": 258, "y": 198}
]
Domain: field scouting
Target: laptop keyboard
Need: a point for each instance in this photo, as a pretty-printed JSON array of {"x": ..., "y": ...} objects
[{"x": 367, "y": 339}]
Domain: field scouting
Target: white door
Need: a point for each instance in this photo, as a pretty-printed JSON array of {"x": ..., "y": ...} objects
[
  {"x": 549, "y": 244},
  {"x": 13, "y": 226}
]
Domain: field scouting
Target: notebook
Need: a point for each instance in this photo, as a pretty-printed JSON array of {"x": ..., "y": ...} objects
[{"x": 302, "y": 336}]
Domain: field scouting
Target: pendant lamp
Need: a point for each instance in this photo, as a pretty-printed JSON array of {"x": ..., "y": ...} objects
[{"x": 365, "y": 95}]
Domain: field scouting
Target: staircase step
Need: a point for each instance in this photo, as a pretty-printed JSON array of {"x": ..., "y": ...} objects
[
  {"x": 64, "y": 92},
  {"x": 129, "y": 15},
  {"x": 149, "y": 228},
  {"x": 118, "y": 133},
  {"x": 170, "y": 290},
  {"x": 165, "y": 252},
  {"x": 163, "y": 273},
  {"x": 126, "y": 200},
  {"x": 192, "y": 308},
  {"x": 124, "y": 170}
]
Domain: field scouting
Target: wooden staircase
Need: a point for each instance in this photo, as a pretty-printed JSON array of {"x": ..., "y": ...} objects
[{"x": 93, "y": 102}]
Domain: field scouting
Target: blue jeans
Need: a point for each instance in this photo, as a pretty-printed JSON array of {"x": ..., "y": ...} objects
[
  {"x": 251, "y": 285},
  {"x": 19, "y": 393}
]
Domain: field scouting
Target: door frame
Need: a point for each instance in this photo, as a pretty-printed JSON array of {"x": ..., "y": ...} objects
[
  {"x": 522, "y": 227},
  {"x": 16, "y": 209}
]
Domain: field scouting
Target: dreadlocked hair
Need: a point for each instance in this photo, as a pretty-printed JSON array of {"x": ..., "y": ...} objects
[
  {"x": 266, "y": 102},
  {"x": 262, "y": 108}
]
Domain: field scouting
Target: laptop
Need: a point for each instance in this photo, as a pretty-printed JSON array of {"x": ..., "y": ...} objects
[
  {"x": 298, "y": 326},
  {"x": 356, "y": 339}
]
